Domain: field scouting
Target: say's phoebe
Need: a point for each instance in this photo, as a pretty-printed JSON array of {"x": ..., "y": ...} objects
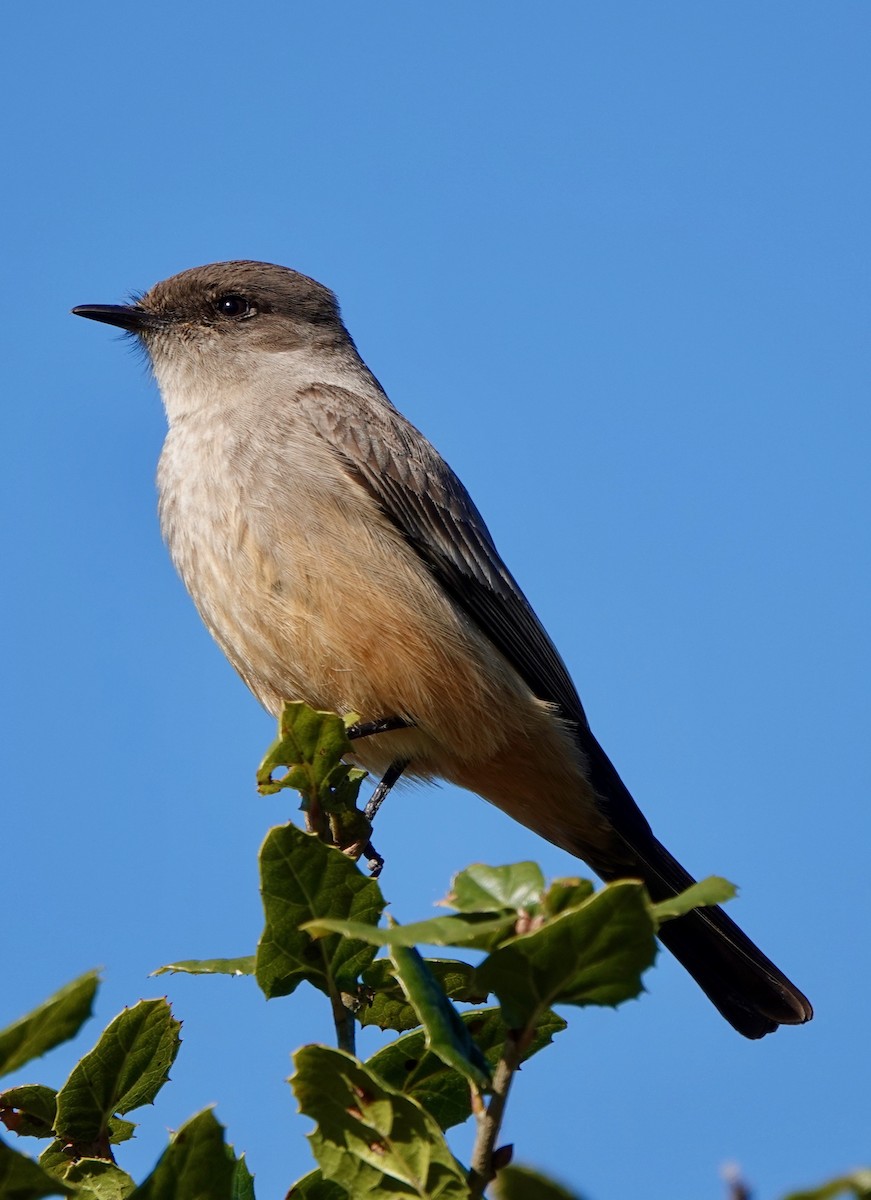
[{"x": 337, "y": 559}]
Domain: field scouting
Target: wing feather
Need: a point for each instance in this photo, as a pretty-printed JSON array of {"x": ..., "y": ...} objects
[{"x": 416, "y": 489}]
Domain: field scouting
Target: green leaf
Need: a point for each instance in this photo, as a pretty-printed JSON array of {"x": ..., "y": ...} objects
[
  {"x": 314, "y": 1187},
  {"x": 209, "y": 966},
  {"x": 29, "y": 1110},
  {"x": 56, "y": 1159},
  {"x": 522, "y": 1183},
  {"x": 408, "y": 1067},
  {"x": 446, "y": 1035},
  {"x": 369, "y": 1136},
  {"x": 196, "y": 1165},
  {"x": 386, "y": 1009},
  {"x": 857, "y": 1183},
  {"x": 483, "y": 889},
  {"x": 385, "y": 1004},
  {"x": 566, "y": 893},
  {"x": 712, "y": 890},
  {"x": 120, "y": 1130},
  {"x": 127, "y": 1068},
  {"x": 311, "y": 746},
  {"x": 480, "y": 932},
  {"x": 593, "y": 954},
  {"x": 23, "y": 1179},
  {"x": 301, "y": 880},
  {"x": 96, "y": 1179},
  {"x": 243, "y": 1180},
  {"x": 57, "y": 1020}
]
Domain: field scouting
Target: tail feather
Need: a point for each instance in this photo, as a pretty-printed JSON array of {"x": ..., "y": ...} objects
[
  {"x": 740, "y": 981},
  {"x": 745, "y": 986}
]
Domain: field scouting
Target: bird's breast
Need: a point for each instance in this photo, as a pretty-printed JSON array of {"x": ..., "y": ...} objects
[{"x": 313, "y": 594}]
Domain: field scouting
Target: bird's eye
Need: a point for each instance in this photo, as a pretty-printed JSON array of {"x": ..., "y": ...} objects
[{"x": 234, "y": 306}]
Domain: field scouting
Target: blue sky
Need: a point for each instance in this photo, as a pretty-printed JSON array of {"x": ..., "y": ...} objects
[{"x": 613, "y": 260}]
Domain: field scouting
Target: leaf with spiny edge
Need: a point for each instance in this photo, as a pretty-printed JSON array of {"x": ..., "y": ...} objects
[
  {"x": 196, "y": 1164},
  {"x": 97, "y": 1179},
  {"x": 384, "y": 1002},
  {"x": 481, "y": 933},
  {"x": 303, "y": 879},
  {"x": 368, "y": 1135},
  {"x": 311, "y": 746},
  {"x": 126, "y": 1069},
  {"x": 593, "y": 954},
  {"x": 406, "y": 1065},
  {"x": 29, "y": 1110},
  {"x": 209, "y": 966}
]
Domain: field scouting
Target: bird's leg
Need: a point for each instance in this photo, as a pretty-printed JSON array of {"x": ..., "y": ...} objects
[
  {"x": 391, "y": 775},
  {"x": 370, "y": 729},
  {"x": 374, "y": 860},
  {"x": 380, "y": 725}
]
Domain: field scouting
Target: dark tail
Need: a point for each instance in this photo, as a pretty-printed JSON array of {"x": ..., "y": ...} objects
[{"x": 745, "y": 986}]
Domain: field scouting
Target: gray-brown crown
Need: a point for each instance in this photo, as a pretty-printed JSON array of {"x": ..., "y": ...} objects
[{"x": 267, "y": 287}]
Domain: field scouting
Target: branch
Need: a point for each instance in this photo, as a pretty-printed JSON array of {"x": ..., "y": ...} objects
[
  {"x": 344, "y": 1021},
  {"x": 490, "y": 1119}
]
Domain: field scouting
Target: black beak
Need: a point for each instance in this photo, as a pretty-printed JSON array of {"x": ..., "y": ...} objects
[{"x": 125, "y": 316}]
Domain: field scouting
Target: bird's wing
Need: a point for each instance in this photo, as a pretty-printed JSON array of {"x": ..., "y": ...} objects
[
  {"x": 421, "y": 495},
  {"x": 423, "y": 498}
]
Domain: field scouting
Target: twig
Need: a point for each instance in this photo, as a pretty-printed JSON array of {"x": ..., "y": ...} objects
[
  {"x": 344, "y": 1021},
  {"x": 735, "y": 1182},
  {"x": 490, "y": 1119}
]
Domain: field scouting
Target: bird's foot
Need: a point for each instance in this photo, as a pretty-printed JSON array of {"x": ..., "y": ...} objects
[{"x": 379, "y": 725}]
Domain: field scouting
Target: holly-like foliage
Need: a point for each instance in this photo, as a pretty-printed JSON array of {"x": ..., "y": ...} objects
[{"x": 463, "y": 1027}]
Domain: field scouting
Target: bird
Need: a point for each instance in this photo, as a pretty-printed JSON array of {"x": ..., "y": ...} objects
[{"x": 337, "y": 559}]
